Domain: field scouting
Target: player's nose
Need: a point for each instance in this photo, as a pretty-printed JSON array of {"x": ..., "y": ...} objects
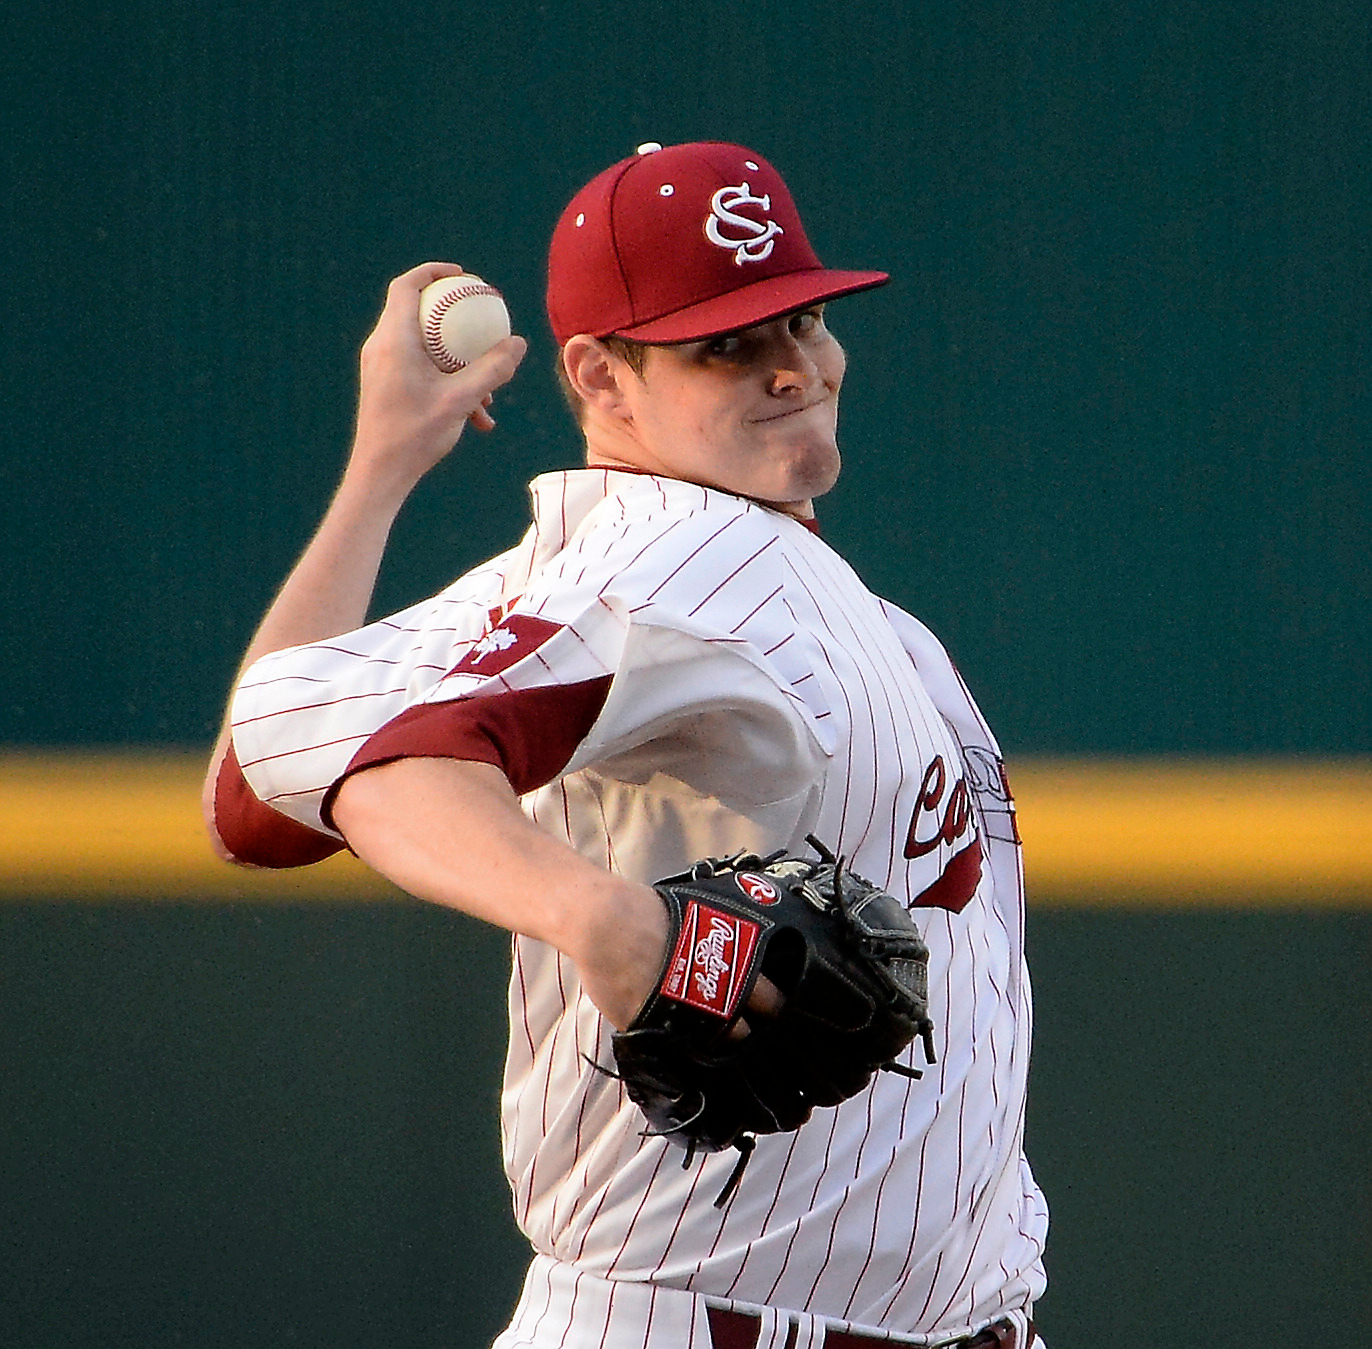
[{"x": 792, "y": 366}]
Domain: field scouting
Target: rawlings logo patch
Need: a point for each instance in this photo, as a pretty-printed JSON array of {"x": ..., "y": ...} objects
[
  {"x": 758, "y": 888},
  {"x": 710, "y": 963}
]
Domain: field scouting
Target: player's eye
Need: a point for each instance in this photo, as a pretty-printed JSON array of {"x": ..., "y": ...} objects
[
  {"x": 807, "y": 321},
  {"x": 728, "y": 344}
]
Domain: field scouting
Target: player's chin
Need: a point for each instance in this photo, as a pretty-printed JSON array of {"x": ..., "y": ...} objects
[{"x": 812, "y": 470}]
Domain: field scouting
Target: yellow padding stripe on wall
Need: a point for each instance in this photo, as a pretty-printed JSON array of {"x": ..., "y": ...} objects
[
  {"x": 1252, "y": 832},
  {"x": 1156, "y": 832}
]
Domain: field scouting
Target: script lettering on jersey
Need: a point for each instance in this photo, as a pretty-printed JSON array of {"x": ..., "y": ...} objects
[
  {"x": 957, "y": 811},
  {"x": 990, "y": 786},
  {"x": 710, "y": 962},
  {"x": 749, "y": 240},
  {"x": 944, "y": 815}
]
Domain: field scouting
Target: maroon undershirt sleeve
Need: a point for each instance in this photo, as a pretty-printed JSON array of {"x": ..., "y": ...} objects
[
  {"x": 255, "y": 833},
  {"x": 529, "y": 734}
]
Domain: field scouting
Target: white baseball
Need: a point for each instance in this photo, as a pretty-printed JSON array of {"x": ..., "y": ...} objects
[{"x": 461, "y": 318}]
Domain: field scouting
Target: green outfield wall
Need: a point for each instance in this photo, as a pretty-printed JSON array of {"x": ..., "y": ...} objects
[
  {"x": 275, "y": 1125},
  {"x": 1106, "y": 431}
]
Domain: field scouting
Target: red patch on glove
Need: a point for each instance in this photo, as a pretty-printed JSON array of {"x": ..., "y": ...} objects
[{"x": 709, "y": 967}]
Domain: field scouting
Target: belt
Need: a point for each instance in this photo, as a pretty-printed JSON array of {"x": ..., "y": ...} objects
[{"x": 740, "y": 1330}]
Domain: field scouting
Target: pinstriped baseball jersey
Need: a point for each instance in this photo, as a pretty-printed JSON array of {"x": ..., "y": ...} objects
[{"x": 665, "y": 672}]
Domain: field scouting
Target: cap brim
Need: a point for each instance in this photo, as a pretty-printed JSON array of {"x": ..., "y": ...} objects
[{"x": 753, "y": 304}]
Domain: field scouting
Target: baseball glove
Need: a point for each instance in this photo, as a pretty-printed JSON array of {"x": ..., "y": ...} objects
[{"x": 846, "y": 957}]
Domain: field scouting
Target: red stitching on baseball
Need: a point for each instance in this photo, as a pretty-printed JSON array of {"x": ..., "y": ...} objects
[{"x": 433, "y": 327}]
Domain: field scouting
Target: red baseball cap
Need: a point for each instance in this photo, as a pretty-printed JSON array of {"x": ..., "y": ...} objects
[{"x": 682, "y": 243}]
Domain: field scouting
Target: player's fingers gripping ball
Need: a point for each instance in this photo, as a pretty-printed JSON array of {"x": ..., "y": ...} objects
[
  {"x": 848, "y": 960},
  {"x": 461, "y": 318}
]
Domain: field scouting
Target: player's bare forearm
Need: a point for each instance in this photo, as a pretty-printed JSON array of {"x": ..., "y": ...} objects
[
  {"x": 452, "y": 832},
  {"x": 410, "y": 415}
]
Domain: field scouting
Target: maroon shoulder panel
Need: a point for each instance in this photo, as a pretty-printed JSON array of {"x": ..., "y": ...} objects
[
  {"x": 255, "y": 833},
  {"x": 529, "y": 734}
]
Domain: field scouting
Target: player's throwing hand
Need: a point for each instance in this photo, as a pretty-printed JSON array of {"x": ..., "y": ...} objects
[{"x": 410, "y": 414}]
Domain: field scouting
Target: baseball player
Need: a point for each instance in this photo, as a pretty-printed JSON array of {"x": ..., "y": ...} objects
[{"x": 671, "y": 664}]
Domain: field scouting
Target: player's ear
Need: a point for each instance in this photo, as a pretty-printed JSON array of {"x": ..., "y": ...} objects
[{"x": 596, "y": 374}]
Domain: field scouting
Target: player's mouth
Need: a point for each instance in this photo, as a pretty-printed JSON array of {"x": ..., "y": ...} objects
[{"x": 792, "y": 412}]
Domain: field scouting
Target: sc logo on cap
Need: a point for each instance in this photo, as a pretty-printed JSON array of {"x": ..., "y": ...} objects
[{"x": 749, "y": 240}]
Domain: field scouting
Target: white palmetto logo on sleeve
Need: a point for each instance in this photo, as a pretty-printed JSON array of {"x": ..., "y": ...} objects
[
  {"x": 749, "y": 240},
  {"x": 515, "y": 638},
  {"x": 498, "y": 639}
]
